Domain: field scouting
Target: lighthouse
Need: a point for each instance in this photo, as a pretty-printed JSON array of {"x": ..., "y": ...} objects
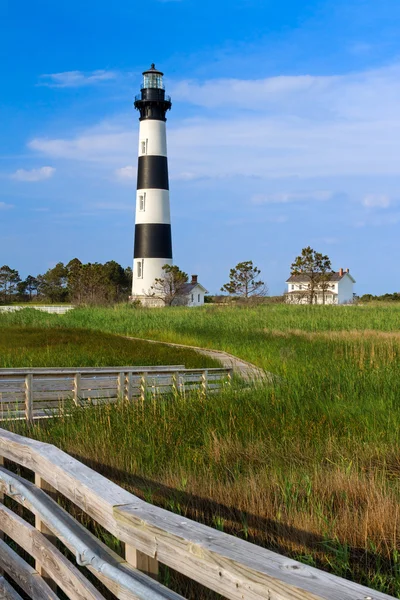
[{"x": 153, "y": 243}]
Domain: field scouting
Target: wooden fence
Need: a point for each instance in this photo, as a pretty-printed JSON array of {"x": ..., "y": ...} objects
[
  {"x": 34, "y": 393},
  {"x": 236, "y": 569},
  {"x": 55, "y": 310}
]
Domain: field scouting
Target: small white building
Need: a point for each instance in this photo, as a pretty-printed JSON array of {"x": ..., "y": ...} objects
[
  {"x": 194, "y": 292},
  {"x": 336, "y": 289}
]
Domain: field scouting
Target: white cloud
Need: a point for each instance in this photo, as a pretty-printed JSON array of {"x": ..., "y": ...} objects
[
  {"x": 286, "y": 197},
  {"x": 34, "y": 174},
  {"x": 4, "y": 206},
  {"x": 129, "y": 172},
  {"x": 297, "y": 126},
  {"x": 76, "y": 78},
  {"x": 101, "y": 143},
  {"x": 355, "y": 95},
  {"x": 376, "y": 201}
]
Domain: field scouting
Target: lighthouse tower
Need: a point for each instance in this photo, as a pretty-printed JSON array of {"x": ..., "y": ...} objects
[{"x": 153, "y": 245}]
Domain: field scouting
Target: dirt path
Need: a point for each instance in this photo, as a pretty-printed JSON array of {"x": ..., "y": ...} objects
[{"x": 244, "y": 369}]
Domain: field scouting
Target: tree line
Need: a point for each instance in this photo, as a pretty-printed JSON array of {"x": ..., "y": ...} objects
[{"x": 76, "y": 282}]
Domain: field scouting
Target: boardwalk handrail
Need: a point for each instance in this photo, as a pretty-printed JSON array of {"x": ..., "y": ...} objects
[
  {"x": 232, "y": 567},
  {"x": 36, "y": 392}
]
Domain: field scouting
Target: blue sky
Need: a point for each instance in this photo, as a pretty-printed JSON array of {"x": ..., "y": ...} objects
[{"x": 284, "y": 132}]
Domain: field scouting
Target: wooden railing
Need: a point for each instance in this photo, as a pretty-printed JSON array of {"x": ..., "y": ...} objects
[
  {"x": 35, "y": 393},
  {"x": 55, "y": 310},
  {"x": 232, "y": 567}
]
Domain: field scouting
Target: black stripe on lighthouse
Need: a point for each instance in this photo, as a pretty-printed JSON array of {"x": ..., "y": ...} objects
[
  {"x": 152, "y": 173},
  {"x": 153, "y": 240}
]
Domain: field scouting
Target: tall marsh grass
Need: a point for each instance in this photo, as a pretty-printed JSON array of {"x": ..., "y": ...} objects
[{"x": 308, "y": 466}]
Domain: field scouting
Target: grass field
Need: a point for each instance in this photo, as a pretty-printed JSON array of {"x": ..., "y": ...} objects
[
  {"x": 309, "y": 466},
  {"x": 70, "y": 347}
]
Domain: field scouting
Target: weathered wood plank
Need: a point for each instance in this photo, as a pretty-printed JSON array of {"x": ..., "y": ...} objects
[
  {"x": 52, "y": 395},
  {"x": 62, "y": 571},
  {"x": 232, "y": 567},
  {"x": 42, "y": 528},
  {"x": 24, "y": 576},
  {"x": 28, "y": 397},
  {"x": 77, "y": 387},
  {"x": 51, "y": 371},
  {"x": 90, "y": 541},
  {"x": 7, "y": 592},
  {"x": 12, "y": 386},
  {"x": 142, "y": 562}
]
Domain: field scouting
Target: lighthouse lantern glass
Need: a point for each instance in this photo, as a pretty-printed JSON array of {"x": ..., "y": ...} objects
[{"x": 153, "y": 80}]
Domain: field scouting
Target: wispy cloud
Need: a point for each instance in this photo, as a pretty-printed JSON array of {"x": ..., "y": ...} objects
[
  {"x": 302, "y": 126},
  {"x": 286, "y": 197},
  {"x": 129, "y": 172},
  {"x": 376, "y": 201},
  {"x": 70, "y": 79},
  {"x": 33, "y": 174},
  {"x": 4, "y": 206}
]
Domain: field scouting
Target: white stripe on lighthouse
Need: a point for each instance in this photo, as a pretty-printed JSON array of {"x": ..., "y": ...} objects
[
  {"x": 152, "y": 206},
  {"x": 152, "y": 138},
  {"x": 150, "y": 269}
]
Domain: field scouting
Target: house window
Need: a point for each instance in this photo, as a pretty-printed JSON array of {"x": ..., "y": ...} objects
[
  {"x": 292, "y": 286},
  {"x": 140, "y": 269},
  {"x": 198, "y": 297},
  {"x": 300, "y": 287},
  {"x": 192, "y": 297},
  {"x": 142, "y": 202}
]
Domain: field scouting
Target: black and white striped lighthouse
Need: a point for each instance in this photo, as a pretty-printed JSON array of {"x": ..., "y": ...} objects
[{"x": 153, "y": 244}]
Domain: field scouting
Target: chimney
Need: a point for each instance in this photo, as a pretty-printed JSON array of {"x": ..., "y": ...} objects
[
  {"x": 341, "y": 272},
  {"x": 347, "y": 270},
  {"x": 194, "y": 279}
]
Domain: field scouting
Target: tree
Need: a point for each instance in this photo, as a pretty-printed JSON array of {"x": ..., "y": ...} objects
[
  {"x": 244, "y": 282},
  {"x": 119, "y": 279},
  {"x": 317, "y": 270},
  {"x": 31, "y": 285},
  {"x": 53, "y": 284},
  {"x": 172, "y": 287},
  {"x": 9, "y": 279}
]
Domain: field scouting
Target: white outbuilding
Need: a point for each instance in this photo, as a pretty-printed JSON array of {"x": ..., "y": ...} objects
[
  {"x": 336, "y": 288},
  {"x": 194, "y": 292}
]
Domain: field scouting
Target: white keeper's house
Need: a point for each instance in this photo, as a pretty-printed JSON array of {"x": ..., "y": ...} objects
[
  {"x": 194, "y": 292},
  {"x": 338, "y": 288}
]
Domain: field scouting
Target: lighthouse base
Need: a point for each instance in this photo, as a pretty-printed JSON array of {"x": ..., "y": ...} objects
[{"x": 147, "y": 301}]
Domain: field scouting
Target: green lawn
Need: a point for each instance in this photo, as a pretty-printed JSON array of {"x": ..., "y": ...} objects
[{"x": 308, "y": 466}]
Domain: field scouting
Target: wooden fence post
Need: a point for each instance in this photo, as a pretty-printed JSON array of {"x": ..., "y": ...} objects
[
  {"x": 175, "y": 382},
  {"x": 121, "y": 386},
  {"x": 141, "y": 561},
  {"x": 29, "y": 397},
  {"x": 230, "y": 376},
  {"x": 40, "y": 526},
  {"x": 77, "y": 388},
  {"x": 129, "y": 387},
  {"x": 204, "y": 382},
  {"x": 143, "y": 387}
]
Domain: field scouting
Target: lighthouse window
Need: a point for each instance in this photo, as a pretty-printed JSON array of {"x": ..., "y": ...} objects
[
  {"x": 142, "y": 202},
  {"x": 143, "y": 147},
  {"x": 140, "y": 269}
]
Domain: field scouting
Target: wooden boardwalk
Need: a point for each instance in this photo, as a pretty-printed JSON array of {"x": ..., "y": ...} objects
[
  {"x": 246, "y": 370},
  {"x": 234, "y": 568},
  {"x": 38, "y": 392}
]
